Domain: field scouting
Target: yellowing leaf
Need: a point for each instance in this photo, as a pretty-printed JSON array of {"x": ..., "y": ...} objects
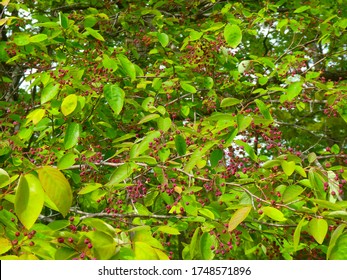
[
  {"x": 29, "y": 200},
  {"x": 5, "y": 245},
  {"x": 69, "y": 104},
  {"x": 5, "y": 2},
  {"x": 36, "y": 116},
  {"x": 57, "y": 188},
  {"x": 143, "y": 251},
  {"x": 238, "y": 217}
]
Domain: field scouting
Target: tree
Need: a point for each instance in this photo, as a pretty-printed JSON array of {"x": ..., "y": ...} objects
[{"x": 173, "y": 129}]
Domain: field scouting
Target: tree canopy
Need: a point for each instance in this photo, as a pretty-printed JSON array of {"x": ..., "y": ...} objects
[{"x": 202, "y": 129}]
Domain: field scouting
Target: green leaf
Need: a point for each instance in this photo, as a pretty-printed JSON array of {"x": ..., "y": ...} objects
[
  {"x": 29, "y": 200},
  {"x": 311, "y": 157},
  {"x": 89, "y": 187},
  {"x": 195, "y": 35},
  {"x": 300, "y": 170},
  {"x": 291, "y": 193},
  {"x": 168, "y": 230},
  {"x": 99, "y": 225},
  {"x": 21, "y": 39},
  {"x": 206, "y": 242},
  {"x": 288, "y": 167},
  {"x": 229, "y": 101},
  {"x": 317, "y": 183},
  {"x": 187, "y": 87},
  {"x": 181, "y": 145},
  {"x": 215, "y": 157},
  {"x": 164, "y": 124},
  {"x": 121, "y": 173},
  {"x": 109, "y": 63},
  {"x": 335, "y": 149},
  {"x": 297, "y": 233},
  {"x": 185, "y": 110},
  {"x": 334, "y": 237},
  {"x": 294, "y": 90},
  {"x": 63, "y": 20},
  {"x": 5, "y": 245},
  {"x": 49, "y": 92},
  {"x": 69, "y": 104},
  {"x": 339, "y": 251},
  {"x": 90, "y": 21},
  {"x": 271, "y": 163},
  {"x": 66, "y": 161},
  {"x": 115, "y": 97},
  {"x": 38, "y": 38},
  {"x": 274, "y": 213},
  {"x": 95, "y": 34},
  {"x": 197, "y": 156},
  {"x": 163, "y": 39},
  {"x": 326, "y": 204},
  {"x": 59, "y": 224},
  {"x": 232, "y": 35},
  {"x": 238, "y": 217},
  {"x": 148, "y": 118},
  {"x": 263, "y": 109},
  {"x": 262, "y": 81},
  {"x": 4, "y": 178},
  {"x": 302, "y": 9},
  {"x": 72, "y": 134},
  {"x": 207, "y": 213},
  {"x": 144, "y": 144},
  {"x": 57, "y": 188},
  {"x": 163, "y": 154},
  {"x": 128, "y": 66},
  {"x": 104, "y": 246},
  {"x": 193, "y": 246},
  {"x": 143, "y": 251},
  {"x": 243, "y": 122},
  {"x": 318, "y": 228},
  {"x": 145, "y": 159},
  {"x": 248, "y": 149},
  {"x": 144, "y": 233}
]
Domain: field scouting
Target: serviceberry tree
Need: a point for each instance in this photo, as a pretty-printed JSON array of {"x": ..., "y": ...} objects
[{"x": 173, "y": 129}]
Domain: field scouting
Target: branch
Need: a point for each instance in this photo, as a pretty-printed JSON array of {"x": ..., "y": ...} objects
[{"x": 116, "y": 216}]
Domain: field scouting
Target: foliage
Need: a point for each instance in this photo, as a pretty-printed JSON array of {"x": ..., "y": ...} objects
[{"x": 173, "y": 129}]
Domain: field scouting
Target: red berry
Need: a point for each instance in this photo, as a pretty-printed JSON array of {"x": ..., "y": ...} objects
[{"x": 61, "y": 239}]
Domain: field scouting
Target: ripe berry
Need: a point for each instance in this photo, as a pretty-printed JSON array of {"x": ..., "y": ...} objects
[{"x": 61, "y": 239}]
